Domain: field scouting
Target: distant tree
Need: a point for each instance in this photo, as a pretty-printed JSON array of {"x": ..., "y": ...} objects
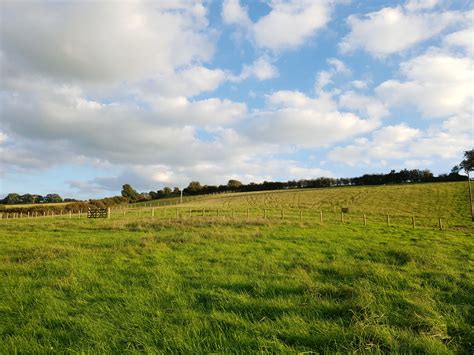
[
  {"x": 130, "y": 193},
  {"x": 167, "y": 191},
  {"x": 12, "y": 199},
  {"x": 27, "y": 198},
  {"x": 468, "y": 165},
  {"x": 176, "y": 191},
  {"x": 234, "y": 184},
  {"x": 456, "y": 169},
  {"x": 194, "y": 187},
  {"x": 53, "y": 198}
]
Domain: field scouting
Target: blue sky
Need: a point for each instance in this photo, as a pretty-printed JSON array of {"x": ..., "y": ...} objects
[{"x": 98, "y": 94}]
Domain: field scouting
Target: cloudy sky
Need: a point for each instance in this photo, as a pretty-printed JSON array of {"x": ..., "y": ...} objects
[{"x": 97, "y": 94}]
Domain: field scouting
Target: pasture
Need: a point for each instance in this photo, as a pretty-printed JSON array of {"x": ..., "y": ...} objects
[{"x": 167, "y": 283}]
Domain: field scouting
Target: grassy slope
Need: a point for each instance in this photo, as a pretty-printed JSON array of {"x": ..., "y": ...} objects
[
  {"x": 118, "y": 285},
  {"x": 434, "y": 199}
]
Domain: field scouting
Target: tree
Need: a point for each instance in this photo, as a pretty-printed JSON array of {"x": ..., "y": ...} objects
[
  {"x": 53, "y": 198},
  {"x": 194, "y": 187},
  {"x": 167, "y": 191},
  {"x": 176, "y": 191},
  {"x": 234, "y": 184},
  {"x": 130, "y": 193},
  {"x": 12, "y": 199},
  {"x": 468, "y": 165}
]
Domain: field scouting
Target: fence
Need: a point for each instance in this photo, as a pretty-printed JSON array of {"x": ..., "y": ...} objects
[{"x": 245, "y": 214}]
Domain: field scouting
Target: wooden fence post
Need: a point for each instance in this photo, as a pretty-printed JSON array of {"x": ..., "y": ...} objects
[
  {"x": 70, "y": 214},
  {"x": 413, "y": 220},
  {"x": 342, "y": 217},
  {"x": 321, "y": 216},
  {"x": 108, "y": 212},
  {"x": 365, "y": 220},
  {"x": 124, "y": 211},
  {"x": 153, "y": 211},
  {"x": 440, "y": 224},
  {"x": 248, "y": 213},
  {"x": 388, "y": 220},
  {"x": 191, "y": 212}
]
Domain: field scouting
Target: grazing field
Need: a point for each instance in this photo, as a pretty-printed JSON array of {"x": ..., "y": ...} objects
[{"x": 210, "y": 284}]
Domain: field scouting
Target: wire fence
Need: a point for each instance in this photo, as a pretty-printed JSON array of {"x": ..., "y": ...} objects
[{"x": 246, "y": 214}]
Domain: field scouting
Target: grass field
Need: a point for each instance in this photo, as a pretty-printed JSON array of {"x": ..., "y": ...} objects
[{"x": 229, "y": 285}]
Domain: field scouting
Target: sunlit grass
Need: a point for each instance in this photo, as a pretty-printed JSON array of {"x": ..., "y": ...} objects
[{"x": 220, "y": 286}]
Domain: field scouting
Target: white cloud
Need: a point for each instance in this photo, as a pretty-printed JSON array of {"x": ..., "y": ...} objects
[
  {"x": 296, "y": 119},
  {"x": 288, "y": 25},
  {"x": 394, "y": 29},
  {"x": 439, "y": 84},
  {"x": 417, "y": 5},
  {"x": 367, "y": 106},
  {"x": 103, "y": 42},
  {"x": 262, "y": 69},
  {"x": 461, "y": 39},
  {"x": 401, "y": 144}
]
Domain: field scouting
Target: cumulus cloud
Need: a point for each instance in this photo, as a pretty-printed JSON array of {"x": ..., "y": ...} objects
[
  {"x": 403, "y": 144},
  {"x": 288, "y": 25},
  {"x": 262, "y": 69},
  {"x": 437, "y": 83},
  {"x": 103, "y": 42},
  {"x": 294, "y": 118},
  {"x": 395, "y": 29}
]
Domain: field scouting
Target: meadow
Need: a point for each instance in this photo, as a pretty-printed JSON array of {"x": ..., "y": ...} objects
[{"x": 231, "y": 284}]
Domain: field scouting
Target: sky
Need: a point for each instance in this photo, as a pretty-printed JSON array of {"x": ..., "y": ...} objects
[{"x": 96, "y": 94}]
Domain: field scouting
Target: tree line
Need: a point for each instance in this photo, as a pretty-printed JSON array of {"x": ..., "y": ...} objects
[
  {"x": 129, "y": 194},
  {"x": 393, "y": 177}
]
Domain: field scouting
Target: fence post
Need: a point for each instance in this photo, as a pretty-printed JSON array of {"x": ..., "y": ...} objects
[
  {"x": 248, "y": 213},
  {"x": 21, "y": 214},
  {"x": 440, "y": 224},
  {"x": 124, "y": 211},
  {"x": 413, "y": 220},
  {"x": 191, "y": 212},
  {"x": 342, "y": 217},
  {"x": 153, "y": 211},
  {"x": 321, "y": 216},
  {"x": 388, "y": 220},
  {"x": 70, "y": 214},
  {"x": 365, "y": 220},
  {"x": 108, "y": 212},
  {"x": 28, "y": 215}
]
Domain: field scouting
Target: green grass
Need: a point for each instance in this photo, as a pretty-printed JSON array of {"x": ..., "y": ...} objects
[
  {"x": 446, "y": 200},
  {"x": 149, "y": 285}
]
